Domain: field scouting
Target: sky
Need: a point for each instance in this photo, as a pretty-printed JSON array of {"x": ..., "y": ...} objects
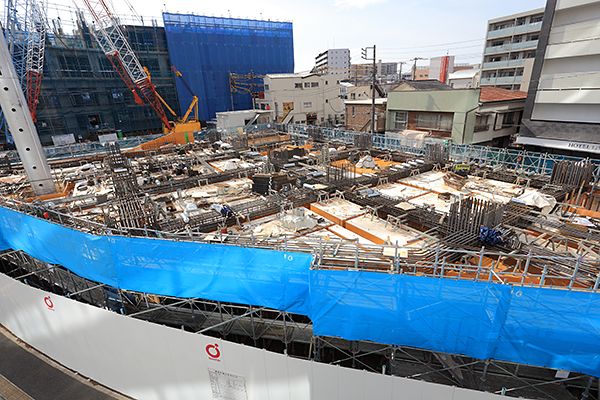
[{"x": 401, "y": 30}]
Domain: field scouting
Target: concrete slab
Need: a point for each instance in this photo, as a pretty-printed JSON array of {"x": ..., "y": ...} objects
[
  {"x": 348, "y": 234},
  {"x": 400, "y": 191},
  {"x": 337, "y": 210},
  {"x": 376, "y": 230}
]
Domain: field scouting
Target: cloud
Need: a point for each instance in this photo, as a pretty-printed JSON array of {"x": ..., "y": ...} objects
[{"x": 359, "y": 4}]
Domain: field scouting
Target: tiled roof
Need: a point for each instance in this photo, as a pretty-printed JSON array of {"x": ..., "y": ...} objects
[{"x": 489, "y": 94}]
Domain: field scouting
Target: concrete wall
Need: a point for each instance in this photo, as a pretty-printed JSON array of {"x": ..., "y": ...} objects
[
  {"x": 462, "y": 103},
  {"x": 232, "y": 119}
]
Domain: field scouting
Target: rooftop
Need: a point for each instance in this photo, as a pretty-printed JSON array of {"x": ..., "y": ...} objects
[
  {"x": 490, "y": 94},
  {"x": 429, "y": 84},
  {"x": 301, "y": 75},
  {"x": 464, "y": 74}
]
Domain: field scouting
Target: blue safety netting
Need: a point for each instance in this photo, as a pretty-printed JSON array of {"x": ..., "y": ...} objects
[
  {"x": 267, "y": 278},
  {"x": 544, "y": 327},
  {"x": 206, "y": 49}
]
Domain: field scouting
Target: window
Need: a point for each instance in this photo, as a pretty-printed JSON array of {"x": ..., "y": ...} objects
[
  {"x": 326, "y": 100},
  {"x": 266, "y": 87},
  {"x": 117, "y": 95},
  {"x": 481, "y": 123},
  {"x": 352, "y": 96},
  {"x": 400, "y": 120},
  {"x": 439, "y": 122},
  {"x": 95, "y": 121},
  {"x": 326, "y": 82},
  {"x": 307, "y": 104},
  {"x": 307, "y": 84},
  {"x": 508, "y": 120},
  {"x": 297, "y": 85},
  {"x": 353, "y": 111},
  {"x": 314, "y": 84}
]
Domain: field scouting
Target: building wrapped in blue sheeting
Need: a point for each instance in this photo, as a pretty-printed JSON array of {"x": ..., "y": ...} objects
[{"x": 207, "y": 49}]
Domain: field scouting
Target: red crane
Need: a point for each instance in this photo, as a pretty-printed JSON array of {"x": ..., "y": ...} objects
[{"x": 113, "y": 42}]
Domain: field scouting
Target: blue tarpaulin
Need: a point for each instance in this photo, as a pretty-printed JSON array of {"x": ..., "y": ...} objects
[
  {"x": 206, "y": 49},
  {"x": 551, "y": 328}
]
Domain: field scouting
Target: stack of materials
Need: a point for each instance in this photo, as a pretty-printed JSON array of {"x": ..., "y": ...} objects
[{"x": 261, "y": 183}]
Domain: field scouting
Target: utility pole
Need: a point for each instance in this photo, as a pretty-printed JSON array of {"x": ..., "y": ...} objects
[
  {"x": 364, "y": 56},
  {"x": 401, "y": 63},
  {"x": 415, "y": 67}
]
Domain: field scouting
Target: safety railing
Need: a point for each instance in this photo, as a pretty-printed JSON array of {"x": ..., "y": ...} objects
[{"x": 351, "y": 255}]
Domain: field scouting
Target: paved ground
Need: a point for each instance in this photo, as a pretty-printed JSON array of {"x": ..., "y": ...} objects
[{"x": 26, "y": 374}]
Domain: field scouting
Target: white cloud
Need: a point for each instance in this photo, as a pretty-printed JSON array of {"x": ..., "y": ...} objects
[{"x": 360, "y": 4}]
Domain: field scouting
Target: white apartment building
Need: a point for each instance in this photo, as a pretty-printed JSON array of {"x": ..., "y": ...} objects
[
  {"x": 562, "y": 110},
  {"x": 510, "y": 41},
  {"x": 333, "y": 62},
  {"x": 307, "y": 98}
]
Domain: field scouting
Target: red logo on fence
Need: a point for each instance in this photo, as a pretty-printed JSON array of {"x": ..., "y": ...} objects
[
  {"x": 49, "y": 303},
  {"x": 213, "y": 352}
]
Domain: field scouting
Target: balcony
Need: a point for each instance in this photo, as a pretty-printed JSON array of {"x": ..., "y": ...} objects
[
  {"x": 511, "y": 46},
  {"x": 524, "y": 45},
  {"x": 497, "y": 49},
  {"x": 504, "y": 64},
  {"x": 515, "y": 30},
  {"x": 501, "y": 80},
  {"x": 495, "y": 64}
]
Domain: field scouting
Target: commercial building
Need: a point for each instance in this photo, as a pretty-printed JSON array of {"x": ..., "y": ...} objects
[
  {"x": 563, "y": 103},
  {"x": 509, "y": 42},
  {"x": 385, "y": 71},
  {"x": 307, "y": 98},
  {"x": 487, "y": 116},
  {"x": 207, "y": 49},
  {"x": 440, "y": 68},
  {"x": 333, "y": 62}
]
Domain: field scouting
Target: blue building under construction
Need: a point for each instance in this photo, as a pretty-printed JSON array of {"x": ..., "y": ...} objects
[{"x": 207, "y": 49}]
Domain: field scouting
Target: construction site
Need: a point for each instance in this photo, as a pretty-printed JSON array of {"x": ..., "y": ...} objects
[
  {"x": 290, "y": 261},
  {"x": 434, "y": 217}
]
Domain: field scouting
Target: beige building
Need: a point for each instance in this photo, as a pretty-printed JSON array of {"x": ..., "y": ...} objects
[
  {"x": 307, "y": 98},
  {"x": 510, "y": 42}
]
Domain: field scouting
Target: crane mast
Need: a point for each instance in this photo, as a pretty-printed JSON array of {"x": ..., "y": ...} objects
[
  {"x": 112, "y": 41},
  {"x": 34, "y": 57}
]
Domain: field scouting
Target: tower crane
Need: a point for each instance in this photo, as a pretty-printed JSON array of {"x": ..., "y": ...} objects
[
  {"x": 34, "y": 58},
  {"x": 112, "y": 41},
  {"x": 26, "y": 39}
]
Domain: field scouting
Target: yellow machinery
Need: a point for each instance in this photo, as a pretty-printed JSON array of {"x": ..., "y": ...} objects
[{"x": 182, "y": 124}]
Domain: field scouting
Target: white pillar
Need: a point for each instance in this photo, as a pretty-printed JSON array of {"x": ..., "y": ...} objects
[{"x": 21, "y": 125}]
